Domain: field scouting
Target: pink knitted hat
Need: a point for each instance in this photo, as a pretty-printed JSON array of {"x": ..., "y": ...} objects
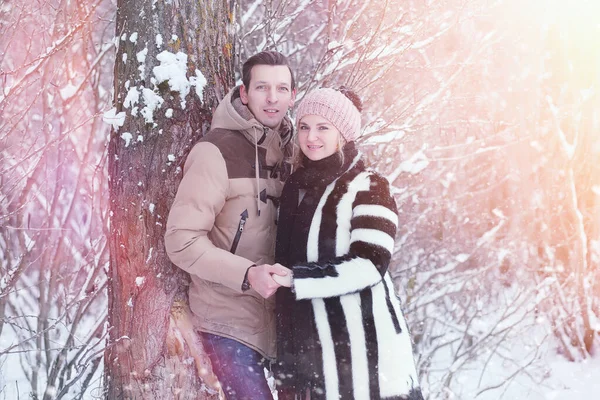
[{"x": 334, "y": 106}]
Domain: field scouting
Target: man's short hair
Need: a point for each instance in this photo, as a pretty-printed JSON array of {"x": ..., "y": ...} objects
[{"x": 265, "y": 58}]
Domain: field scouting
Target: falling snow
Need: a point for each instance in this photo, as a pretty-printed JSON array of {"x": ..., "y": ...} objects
[{"x": 483, "y": 131}]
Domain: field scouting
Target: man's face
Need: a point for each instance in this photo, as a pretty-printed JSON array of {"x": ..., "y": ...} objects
[{"x": 269, "y": 94}]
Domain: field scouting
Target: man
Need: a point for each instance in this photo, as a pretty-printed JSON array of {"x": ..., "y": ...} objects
[{"x": 221, "y": 227}]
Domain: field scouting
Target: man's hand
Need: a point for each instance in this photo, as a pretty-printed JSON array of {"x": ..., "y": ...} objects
[{"x": 261, "y": 280}]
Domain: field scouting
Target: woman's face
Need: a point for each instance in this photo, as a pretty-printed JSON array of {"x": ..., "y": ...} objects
[{"x": 318, "y": 138}]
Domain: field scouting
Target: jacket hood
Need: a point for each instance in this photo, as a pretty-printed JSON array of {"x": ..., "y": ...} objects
[{"x": 232, "y": 114}]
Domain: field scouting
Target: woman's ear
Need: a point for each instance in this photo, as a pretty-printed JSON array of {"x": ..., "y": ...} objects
[{"x": 341, "y": 141}]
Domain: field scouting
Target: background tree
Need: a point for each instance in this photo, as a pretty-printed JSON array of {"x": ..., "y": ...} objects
[
  {"x": 173, "y": 65},
  {"x": 54, "y": 57},
  {"x": 482, "y": 113}
]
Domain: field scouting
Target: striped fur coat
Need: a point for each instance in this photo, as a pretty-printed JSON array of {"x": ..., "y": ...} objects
[{"x": 340, "y": 329}]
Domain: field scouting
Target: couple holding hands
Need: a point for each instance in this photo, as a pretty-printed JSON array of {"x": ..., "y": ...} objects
[{"x": 287, "y": 239}]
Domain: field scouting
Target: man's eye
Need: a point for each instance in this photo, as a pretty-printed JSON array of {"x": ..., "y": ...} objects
[
  {"x": 260, "y": 87},
  {"x": 284, "y": 89}
]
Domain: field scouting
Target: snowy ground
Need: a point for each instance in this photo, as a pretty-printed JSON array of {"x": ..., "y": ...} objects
[
  {"x": 561, "y": 380},
  {"x": 574, "y": 381},
  {"x": 554, "y": 379}
]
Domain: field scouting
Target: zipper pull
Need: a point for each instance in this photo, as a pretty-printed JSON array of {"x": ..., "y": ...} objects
[
  {"x": 244, "y": 216},
  {"x": 240, "y": 229}
]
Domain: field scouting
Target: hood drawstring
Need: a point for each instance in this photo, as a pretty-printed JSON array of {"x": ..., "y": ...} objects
[{"x": 257, "y": 172}]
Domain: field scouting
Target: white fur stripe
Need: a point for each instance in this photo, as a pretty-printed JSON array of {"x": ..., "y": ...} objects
[
  {"x": 375, "y": 210},
  {"x": 358, "y": 346},
  {"x": 373, "y": 236},
  {"x": 312, "y": 245},
  {"x": 330, "y": 371},
  {"x": 356, "y": 159},
  {"x": 396, "y": 366},
  {"x": 361, "y": 182},
  {"x": 353, "y": 275}
]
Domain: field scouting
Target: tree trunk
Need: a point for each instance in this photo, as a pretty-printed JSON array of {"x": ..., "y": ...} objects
[{"x": 153, "y": 352}]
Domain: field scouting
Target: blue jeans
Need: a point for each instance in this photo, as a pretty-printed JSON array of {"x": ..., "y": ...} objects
[{"x": 239, "y": 368}]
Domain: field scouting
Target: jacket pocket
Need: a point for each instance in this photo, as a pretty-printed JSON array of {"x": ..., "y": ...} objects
[
  {"x": 230, "y": 312},
  {"x": 239, "y": 231}
]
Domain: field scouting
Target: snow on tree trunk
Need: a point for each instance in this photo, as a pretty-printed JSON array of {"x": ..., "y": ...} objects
[{"x": 173, "y": 65}]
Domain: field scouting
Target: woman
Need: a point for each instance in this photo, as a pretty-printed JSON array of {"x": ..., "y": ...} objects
[{"x": 341, "y": 333}]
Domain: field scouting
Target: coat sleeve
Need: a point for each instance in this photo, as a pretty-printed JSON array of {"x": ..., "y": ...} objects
[
  {"x": 373, "y": 226},
  {"x": 199, "y": 199}
]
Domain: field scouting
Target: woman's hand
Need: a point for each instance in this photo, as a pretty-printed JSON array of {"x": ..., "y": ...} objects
[
  {"x": 283, "y": 276},
  {"x": 261, "y": 278}
]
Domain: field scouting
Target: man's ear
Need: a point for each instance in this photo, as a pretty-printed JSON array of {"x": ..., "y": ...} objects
[
  {"x": 293, "y": 99},
  {"x": 244, "y": 95}
]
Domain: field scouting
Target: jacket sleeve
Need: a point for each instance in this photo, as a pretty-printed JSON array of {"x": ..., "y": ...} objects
[
  {"x": 199, "y": 199},
  {"x": 373, "y": 228}
]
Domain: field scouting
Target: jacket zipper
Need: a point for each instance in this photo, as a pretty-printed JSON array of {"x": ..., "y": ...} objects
[{"x": 240, "y": 229}]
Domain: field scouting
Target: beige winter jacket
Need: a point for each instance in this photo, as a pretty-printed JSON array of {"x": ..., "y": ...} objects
[{"x": 214, "y": 230}]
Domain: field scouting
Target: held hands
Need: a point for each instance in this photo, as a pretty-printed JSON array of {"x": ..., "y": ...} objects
[
  {"x": 265, "y": 278},
  {"x": 283, "y": 280}
]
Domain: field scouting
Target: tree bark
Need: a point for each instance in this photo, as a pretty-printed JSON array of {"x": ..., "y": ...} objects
[{"x": 153, "y": 352}]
